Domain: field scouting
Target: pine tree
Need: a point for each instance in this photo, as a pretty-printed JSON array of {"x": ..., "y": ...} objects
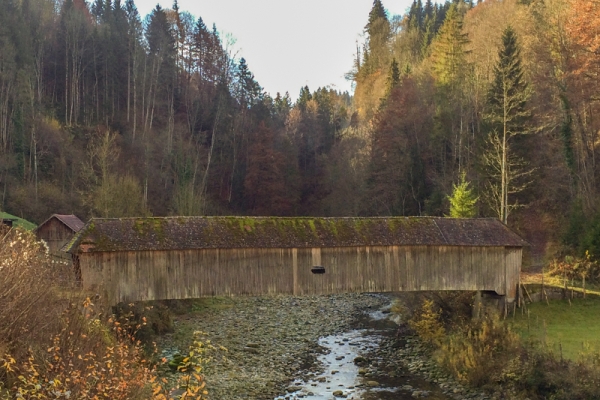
[
  {"x": 304, "y": 97},
  {"x": 248, "y": 90},
  {"x": 393, "y": 75},
  {"x": 378, "y": 32},
  {"x": 393, "y": 79},
  {"x": 451, "y": 70},
  {"x": 507, "y": 118},
  {"x": 415, "y": 15},
  {"x": 449, "y": 49},
  {"x": 462, "y": 201}
]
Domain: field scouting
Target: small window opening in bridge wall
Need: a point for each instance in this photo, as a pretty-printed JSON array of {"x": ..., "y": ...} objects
[{"x": 317, "y": 269}]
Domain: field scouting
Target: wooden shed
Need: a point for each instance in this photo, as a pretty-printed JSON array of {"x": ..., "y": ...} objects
[
  {"x": 134, "y": 259},
  {"x": 58, "y": 230},
  {"x": 7, "y": 222}
]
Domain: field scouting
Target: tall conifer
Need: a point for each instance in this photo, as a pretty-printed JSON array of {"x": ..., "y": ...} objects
[{"x": 507, "y": 115}]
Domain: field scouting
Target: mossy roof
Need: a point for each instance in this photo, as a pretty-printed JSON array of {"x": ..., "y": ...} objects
[
  {"x": 179, "y": 233},
  {"x": 18, "y": 221}
]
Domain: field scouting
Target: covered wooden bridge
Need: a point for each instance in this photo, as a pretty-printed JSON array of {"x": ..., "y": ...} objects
[{"x": 133, "y": 259}]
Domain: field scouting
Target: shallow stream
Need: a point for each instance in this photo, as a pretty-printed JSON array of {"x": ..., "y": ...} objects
[{"x": 349, "y": 368}]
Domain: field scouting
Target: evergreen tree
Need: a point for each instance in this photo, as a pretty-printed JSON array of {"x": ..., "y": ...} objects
[
  {"x": 304, "y": 97},
  {"x": 449, "y": 50},
  {"x": 200, "y": 48},
  {"x": 248, "y": 89},
  {"x": 462, "y": 201},
  {"x": 393, "y": 79},
  {"x": 451, "y": 72},
  {"x": 429, "y": 25},
  {"x": 378, "y": 32},
  {"x": 377, "y": 12},
  {"x": 507, "y": 116},
  {"x": 416, "y": 16}
]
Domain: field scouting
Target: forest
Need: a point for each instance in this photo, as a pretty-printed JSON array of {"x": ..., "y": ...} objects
[{"x": 105, "y": 113}]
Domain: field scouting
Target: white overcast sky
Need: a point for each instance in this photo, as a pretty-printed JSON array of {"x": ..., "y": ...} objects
[{"x": 289, "y": 43}]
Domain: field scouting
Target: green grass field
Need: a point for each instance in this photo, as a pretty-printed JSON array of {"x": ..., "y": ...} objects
[
  {"x": 19, "y": 221},
  {"x": 575, "y": 327}
]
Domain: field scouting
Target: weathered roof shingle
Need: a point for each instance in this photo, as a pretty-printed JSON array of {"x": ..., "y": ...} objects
[
  {"x": 175, "y": 233},
  {"x": 70, "y": 220}
]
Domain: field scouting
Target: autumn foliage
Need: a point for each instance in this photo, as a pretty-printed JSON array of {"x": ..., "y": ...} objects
[{"x": 54, "y": 344}]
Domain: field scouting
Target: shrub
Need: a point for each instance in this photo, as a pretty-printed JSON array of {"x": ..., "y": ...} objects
[
  {"x": 577, "y": 268},
  {"x": 145, "y": 320},
  {"x": 83, "y": 361},
  {"x": 30, "y": 307},
  {"x": 487, "y": 353},
  {"x": 427, "y": 324},
  {"x": 55, "y": 347},
  {"x": 479, "y": 353}
]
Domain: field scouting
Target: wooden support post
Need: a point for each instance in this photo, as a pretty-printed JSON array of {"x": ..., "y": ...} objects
[
  {"x": 527, "y": 293},
  {"x": 295, "y": 289}
]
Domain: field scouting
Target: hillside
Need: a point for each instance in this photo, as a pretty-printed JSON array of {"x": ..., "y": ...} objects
[{"x": 105, "y": 113}]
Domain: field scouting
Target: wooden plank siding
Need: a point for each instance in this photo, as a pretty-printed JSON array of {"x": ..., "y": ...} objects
[
  {"x": 126, "y": 276},
  {"x": 55, "y": 234}
]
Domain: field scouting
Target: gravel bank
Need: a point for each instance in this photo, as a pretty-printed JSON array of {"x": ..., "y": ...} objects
[
  {"x": 270, "y": 340},
  {"x": 273, "y": 347}
]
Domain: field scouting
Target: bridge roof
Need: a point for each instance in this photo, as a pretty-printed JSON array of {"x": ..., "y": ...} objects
[{"x": 178, "y": 233}]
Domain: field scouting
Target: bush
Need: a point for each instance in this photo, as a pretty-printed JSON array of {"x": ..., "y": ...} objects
[
  {"x": 574, "y": 268},
  {"x": 480, "y": 353},
  {"x": 487, "y": 353},
  {"x": 30, "y": 308},
  {"x": 427, "y": 324},
  {"x": 53, "y": 346},
  {"x": 87, "y": 359},
  {"x": 145, "y": 320}
]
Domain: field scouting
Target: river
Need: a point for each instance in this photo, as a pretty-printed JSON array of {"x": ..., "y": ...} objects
[{"x": 310, "y": 347}]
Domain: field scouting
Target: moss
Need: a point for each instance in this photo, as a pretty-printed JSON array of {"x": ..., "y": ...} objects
[
  {"x": 139, "y": 227},
  {"x": 237, "y": 232},
  {"x": 150, "y": 226},
  {"x": 311, "y": 223},
  {"x": 102, "y": 242},
  {"x": 20, "y": 222},
  {"x": 329, "y": 226},
  {"x": 247, "y": 224},
  {"x": 159, "y": 228}
]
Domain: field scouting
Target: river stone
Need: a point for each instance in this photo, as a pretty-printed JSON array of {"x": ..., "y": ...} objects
[
  {"x": 372, "y": 383},
  {"x": 339, "y": 393},
  {"x": 251, "y": 350},
  {"x": 360, "y": 360}
]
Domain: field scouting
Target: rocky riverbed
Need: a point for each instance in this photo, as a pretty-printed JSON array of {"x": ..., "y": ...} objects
[{"x": 336, "y": 346}]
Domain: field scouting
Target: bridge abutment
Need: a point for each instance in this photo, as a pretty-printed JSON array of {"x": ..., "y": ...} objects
[{"x": 489, "y": 300}]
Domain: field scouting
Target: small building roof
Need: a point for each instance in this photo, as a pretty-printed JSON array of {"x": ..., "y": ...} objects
[
  {"x": 70, "y": 220},
  {"x": 178, "y": 233}
]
